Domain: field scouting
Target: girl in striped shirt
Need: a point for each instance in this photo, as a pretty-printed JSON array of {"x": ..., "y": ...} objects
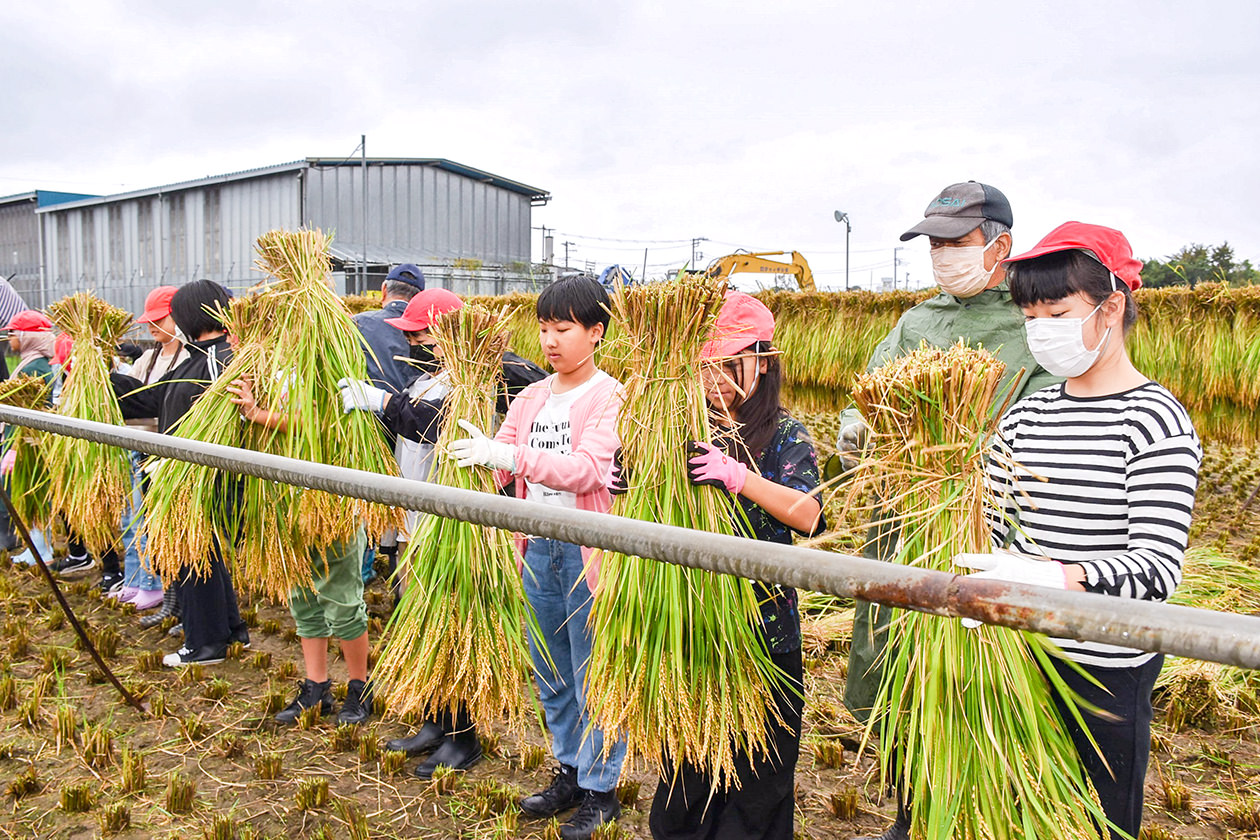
[{"x": 1095, "y": 481}]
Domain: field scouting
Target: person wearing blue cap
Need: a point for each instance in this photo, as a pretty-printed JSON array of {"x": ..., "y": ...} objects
[{"x": 386, "y": 363}]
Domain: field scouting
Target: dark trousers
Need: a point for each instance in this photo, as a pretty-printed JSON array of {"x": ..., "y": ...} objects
[
  {"x": 763, "y": 806},
  {"x": 208, "y": 603},
  {"x": 1124, "y": 743}
]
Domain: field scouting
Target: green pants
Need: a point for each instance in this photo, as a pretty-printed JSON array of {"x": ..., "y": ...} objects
[
  {"x": 333, "y": 608},
  {"x": 870, "y": 635}
]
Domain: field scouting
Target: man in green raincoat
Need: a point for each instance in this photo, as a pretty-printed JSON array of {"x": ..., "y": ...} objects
[{"x": 969, "y": 228}]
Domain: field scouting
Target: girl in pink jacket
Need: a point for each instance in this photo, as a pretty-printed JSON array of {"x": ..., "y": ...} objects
[{"x": 557, "y": 446}]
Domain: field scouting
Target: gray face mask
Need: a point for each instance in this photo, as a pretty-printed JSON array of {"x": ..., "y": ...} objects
[{"x": 423, "y": 358}]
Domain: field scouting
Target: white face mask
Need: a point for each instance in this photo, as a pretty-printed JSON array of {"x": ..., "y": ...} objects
[
  {"x": 960, "y": 271},
  {"x": 1058, "y": 344}
]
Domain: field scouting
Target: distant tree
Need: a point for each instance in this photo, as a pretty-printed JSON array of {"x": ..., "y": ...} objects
[{"x": 1195, "y": 264}]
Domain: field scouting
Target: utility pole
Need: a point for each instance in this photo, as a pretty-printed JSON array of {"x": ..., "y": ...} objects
[
  {"x": 895, "y": 250},
  {"x": 848, "y": 229},
  {"x": 695, "y": 254},
  {"x": 363, "y": 169},
  {"x": 566, "y": 252}
]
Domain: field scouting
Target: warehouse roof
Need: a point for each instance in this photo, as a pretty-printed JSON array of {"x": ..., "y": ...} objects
[
  {"x": 44, "y": 198},
  {"x": 536, "y": 195}
]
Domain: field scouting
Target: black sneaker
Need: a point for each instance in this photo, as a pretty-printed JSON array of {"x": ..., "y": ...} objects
[
  {"x": 561, "y": 795},
  {"x": 597, "y": 808},
  {"x": 458, "y": 752},
  {"x": 899, "y": 830},
  {"x": 240, "y": 634},
  {"x": 357, "y": 707},
  {"x": 310, "y": 694},
  {"x": 111, "y": 583},
  {"x": 69, "y": 567},
  {"x": 205, "y": 655}
]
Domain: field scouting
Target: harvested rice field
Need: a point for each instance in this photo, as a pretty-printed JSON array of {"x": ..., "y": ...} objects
[{"x": 75, "y": 762}]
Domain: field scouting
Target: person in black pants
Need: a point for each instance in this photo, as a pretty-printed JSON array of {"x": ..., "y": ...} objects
[{"x": 207, "y": 602}]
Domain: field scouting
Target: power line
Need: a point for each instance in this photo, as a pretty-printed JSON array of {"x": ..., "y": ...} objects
[{"x": 633, "y": 241}]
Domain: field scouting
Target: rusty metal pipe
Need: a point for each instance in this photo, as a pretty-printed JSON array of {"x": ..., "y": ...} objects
[{"x": 1146, "y": 625}]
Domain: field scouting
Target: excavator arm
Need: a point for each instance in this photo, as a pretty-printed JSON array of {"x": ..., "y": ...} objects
[{"x": 755, "y": 263}]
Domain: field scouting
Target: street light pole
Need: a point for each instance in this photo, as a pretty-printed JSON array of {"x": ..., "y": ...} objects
[{"x": 848, "y": 229}]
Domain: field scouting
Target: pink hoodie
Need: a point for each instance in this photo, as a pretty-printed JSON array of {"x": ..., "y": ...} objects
[{"x": 584, "y": 471}]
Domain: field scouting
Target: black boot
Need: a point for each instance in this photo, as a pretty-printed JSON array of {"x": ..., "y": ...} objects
[
  {"x": 310, "y": 694},
  {"x": 562, "y": 794},
  {"x": 429, "y": 738},
  {"x": 357, "y": 707},
  {"x": 597, "y": 808},
  {"x": 459, "y": 751},
  {"x": 899, "y": 830}
]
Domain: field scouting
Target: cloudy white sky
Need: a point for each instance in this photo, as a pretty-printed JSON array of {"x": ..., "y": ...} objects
[{"x": 746, "y": 123}]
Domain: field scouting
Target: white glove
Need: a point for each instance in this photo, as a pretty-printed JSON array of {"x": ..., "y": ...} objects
[
  {"x": 361, "y": 395},
  {"x": 853, "y": 440},
  {"x": 1012, "y": 568},
  {"x": 477, "y": 450}
]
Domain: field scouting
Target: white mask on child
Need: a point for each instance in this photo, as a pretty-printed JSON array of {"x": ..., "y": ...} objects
[{"x": 1058, "y": 344}]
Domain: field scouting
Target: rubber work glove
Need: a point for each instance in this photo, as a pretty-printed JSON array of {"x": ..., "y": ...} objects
[
  {"x": 361, "y": 395},
  {"x": 618, "y": 476},
  {"x": 854, "y": 439},
  {"x": 477, "y": 450},
  {"x": 7, "y": 462},
  {"x": 706, "y": 464},
  {"x": 1012, "y": 568}
]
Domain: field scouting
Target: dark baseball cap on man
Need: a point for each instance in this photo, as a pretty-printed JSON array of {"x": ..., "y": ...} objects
[
  {"x": 408, "y": 273},
  {"x": 960, "y": 209}
]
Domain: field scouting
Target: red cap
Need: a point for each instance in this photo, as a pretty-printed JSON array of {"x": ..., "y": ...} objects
[
  {"x": 30, "y": 320},
  {"x": 1104, "y": 244},
  {"x": 424, "y": 309},
  {"x": 157, "y": 305},
  {"x": 743, "y": 321}
]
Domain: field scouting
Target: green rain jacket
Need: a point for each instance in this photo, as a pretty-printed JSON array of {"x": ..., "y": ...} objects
[{"x": 991, "y": 320}]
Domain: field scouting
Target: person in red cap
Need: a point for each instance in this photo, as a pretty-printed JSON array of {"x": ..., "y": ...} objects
[
  {"x": 415, "y": 417},
  {"x": 765, "y": 458},
  {"x": 31, "y": 337},
  {"x": 1099, "y": 474}
]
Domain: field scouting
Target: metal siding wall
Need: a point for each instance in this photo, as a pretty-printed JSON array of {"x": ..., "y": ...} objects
[
  {"x": 429, "y": 212},
  {"x": 19, "y": 249}
]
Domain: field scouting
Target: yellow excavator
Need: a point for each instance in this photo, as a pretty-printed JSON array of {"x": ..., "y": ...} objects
[{"x": 754, "y": 262}]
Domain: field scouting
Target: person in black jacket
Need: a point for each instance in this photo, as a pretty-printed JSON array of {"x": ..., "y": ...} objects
[{"x": 208, "y": 604}]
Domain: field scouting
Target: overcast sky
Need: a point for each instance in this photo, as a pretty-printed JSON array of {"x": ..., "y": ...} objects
[{"x": 656, "y": 122}]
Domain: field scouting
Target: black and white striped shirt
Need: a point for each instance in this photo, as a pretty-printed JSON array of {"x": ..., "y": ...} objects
[{"x": 1106, "y": 483}]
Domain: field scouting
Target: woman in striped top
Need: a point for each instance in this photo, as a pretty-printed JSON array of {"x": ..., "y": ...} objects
[{"x": 1095, "y": 481}]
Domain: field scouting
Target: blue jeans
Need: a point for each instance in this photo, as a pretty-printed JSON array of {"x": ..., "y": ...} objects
[
  {"x": 134, "y": 573},
  {"x": 555, "y": 584}
]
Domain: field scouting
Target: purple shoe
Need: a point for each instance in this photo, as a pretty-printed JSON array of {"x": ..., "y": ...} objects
[
  {"x": 126, "y": 594},
  {"x": 147, "y": 599}
]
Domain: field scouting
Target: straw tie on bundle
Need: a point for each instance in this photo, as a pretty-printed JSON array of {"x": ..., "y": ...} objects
[
  {"x": 678, "y": 666},
  {"x": 966, "y": 717},
  {"x": 458, "y": 638},
  {"x": 90, "y": 481}
]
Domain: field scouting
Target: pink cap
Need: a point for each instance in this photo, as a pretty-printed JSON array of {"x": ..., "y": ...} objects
[
  {"x": 1104, "y": 244},
  {"x": 743, "y": 321},
  {"x": 157, "y": 305},
  {"x": 30, "y": 320},
  {"x": 424, "y": 309}
]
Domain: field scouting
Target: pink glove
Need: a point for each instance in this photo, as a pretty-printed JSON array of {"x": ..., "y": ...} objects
[
  {"x": 7, "y": 462},
  {"x": 707, "y": 464}
]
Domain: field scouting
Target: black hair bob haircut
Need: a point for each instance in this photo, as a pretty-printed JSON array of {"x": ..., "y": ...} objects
[
  {"x": 1055, "y": 276},
  {"x": 193, "y": 306},
  {"x": 579, "y": 299},
  {"x": 758, "y": 415}
]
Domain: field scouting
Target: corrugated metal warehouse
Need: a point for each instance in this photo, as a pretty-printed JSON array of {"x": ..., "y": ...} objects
[
  {"x": 20, "y": 240},
  {"x": 469, "y": 229}
]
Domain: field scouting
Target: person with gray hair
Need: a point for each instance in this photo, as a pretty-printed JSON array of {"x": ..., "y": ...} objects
[{"x": 969, "y": 228}]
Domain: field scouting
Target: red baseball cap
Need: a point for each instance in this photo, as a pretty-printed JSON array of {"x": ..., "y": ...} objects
[
  {"x": 157, "y": 305},
  {"x": 424, "y": 309},
  {"x": 30, "y": 320},
  {"x": 1104, "y": 244},
  {"x": 742, "y": 321}
]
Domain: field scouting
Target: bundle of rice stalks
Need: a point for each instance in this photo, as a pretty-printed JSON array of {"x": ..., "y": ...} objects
[
  {"x": 678, "y": 666},
  {"x": 90, "y": 481},
  {"x": 458, "y": 638},
  {"x": 979, "y": 745},
  {"x": 30, "y": 485}
]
